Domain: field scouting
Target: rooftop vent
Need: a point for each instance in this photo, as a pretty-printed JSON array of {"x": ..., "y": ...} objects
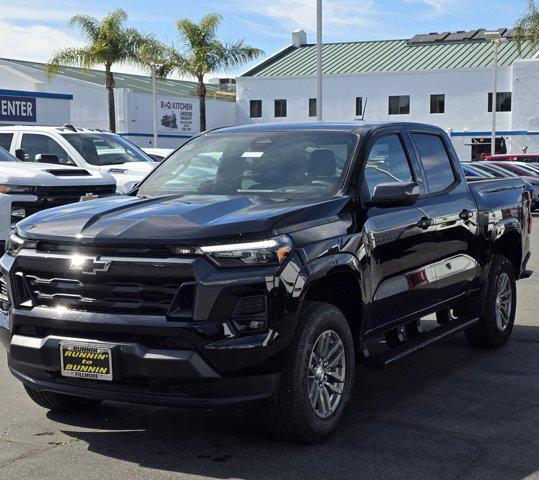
[{"x": 299, "y": 38}]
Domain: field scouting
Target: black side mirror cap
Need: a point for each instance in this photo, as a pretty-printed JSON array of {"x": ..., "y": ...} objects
[
  {"x": 21, "y": 155},
  {"x": 46, "y": 158},
  {"x": 394, "y": 194}
]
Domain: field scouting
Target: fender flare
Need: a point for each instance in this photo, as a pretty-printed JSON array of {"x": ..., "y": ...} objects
[{"x": 322, "y": 267}]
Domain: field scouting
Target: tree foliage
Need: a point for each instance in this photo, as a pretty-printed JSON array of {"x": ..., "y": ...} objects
[{"x": 527, "y": 26}]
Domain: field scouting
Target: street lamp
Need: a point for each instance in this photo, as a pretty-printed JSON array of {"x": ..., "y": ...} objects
[
  {"x": 153, "y": 67},
  {"x": 496, "y": 38},
  {"x": 319, "y": 60}
]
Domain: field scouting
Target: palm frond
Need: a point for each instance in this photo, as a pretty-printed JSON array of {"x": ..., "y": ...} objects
[
  {"x": 527, "y": 27},
  {"x": 77, "y": 57},
  {"x": 88, "y": 24},
  {"x": 237, "y": 53}
]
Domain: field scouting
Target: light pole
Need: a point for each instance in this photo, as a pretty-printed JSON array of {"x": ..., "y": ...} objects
[
  {"x": 319, "y": 60},
  {"x": 496, "y": 38},
  {"x": 153, "y": 67}
]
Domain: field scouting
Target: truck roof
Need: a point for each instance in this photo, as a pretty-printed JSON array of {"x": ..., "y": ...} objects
[
  {"x": 52, "y": 128},
  {"x": 353, "y": 127}
]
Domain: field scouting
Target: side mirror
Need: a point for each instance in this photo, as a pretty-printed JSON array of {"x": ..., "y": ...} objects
[
  {"x": 394, "y": 194},
  {"x": 21, "y": 155},
  {"x": 46, "y": 158}
]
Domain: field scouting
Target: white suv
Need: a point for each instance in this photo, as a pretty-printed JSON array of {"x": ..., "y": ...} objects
[
  {"x": 92, "y": 150},
  {"x": 27, "y": 188}
]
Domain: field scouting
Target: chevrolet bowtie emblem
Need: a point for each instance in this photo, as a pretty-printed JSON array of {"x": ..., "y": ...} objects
[{"x": 89, "y": 265}]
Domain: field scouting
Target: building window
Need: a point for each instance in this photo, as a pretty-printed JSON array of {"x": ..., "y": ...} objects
[
  {"x": 280, "y": 108},
  {"x": 312, "y": 107},
  {"x": 503, "y": 101},
  {"x": 359, "y": 106},
  {"x": 437, "y": 103},
  {"x": 399, "y": 105},
  {"x": 255, "y": 108}
]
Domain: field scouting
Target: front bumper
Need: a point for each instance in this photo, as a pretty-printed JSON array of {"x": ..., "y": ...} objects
[{"x": 141, "y": 375}]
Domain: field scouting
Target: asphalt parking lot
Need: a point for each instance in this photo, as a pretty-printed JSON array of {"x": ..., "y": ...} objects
[{"x": 450, "y": 412}]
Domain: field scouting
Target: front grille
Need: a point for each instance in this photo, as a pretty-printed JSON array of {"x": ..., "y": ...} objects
[
  {"x": 103, "y": 250},
  {"x": 103, "y": 293},
  {"x": 4, "y": 299},
  {"x": 49, "y": 197}
]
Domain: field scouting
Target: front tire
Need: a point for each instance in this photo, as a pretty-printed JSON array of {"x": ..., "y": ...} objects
[
  {"x": 496, "y": 324},
  {"x": 316, "y": 383},
  {"x": 57, "y": 402}
]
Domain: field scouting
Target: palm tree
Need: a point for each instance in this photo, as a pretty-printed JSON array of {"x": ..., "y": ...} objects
[
  {"x": 202, "y": 53},
  {"x": 109, "y": 43},
  {"x": 527, "y": 26}
]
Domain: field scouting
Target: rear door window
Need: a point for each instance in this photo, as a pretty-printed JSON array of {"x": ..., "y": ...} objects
[
  {"x": 5, "y": 140},
  {"x": 435, "y": 159},
  {"x": 35, "y": 143}
]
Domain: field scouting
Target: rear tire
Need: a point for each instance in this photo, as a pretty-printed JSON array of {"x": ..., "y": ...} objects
[
  {"x": 496, "y": 325},
  {"x": 307, "y": 406},
  {"x": 57, "y": 402}
]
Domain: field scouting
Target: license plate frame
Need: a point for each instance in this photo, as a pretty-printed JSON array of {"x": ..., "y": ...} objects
[{"x": 93, "y": 361}]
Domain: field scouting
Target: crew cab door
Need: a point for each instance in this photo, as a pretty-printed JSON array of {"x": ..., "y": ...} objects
[
  {"x": 455, "y": 218},
  {"x": 36, "y": 143},
  {"x": 398, "y": 240}
]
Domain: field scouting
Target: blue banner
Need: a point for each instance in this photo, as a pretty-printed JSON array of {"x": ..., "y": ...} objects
[{"x": 17, "y": 109}]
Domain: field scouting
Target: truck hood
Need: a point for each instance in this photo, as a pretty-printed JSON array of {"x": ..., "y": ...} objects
[
  {"x": 48, "y": 174},
  {"x": 179, "y": 220}
]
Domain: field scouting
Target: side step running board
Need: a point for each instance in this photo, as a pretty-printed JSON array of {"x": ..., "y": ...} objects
[{"x": 426, "y": 339}]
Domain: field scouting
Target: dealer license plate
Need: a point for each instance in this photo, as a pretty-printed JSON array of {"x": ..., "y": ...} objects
[{"x": 86, "y": 360}]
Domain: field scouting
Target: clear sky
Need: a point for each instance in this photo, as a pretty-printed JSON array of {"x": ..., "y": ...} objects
[{"x": 34, "y": 29}]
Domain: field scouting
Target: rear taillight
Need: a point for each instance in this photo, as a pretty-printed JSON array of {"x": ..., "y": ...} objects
[{"x": 530, "y": 220}]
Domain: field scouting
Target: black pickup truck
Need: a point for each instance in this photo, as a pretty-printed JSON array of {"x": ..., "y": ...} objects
[{"x": 260, "y": 264}]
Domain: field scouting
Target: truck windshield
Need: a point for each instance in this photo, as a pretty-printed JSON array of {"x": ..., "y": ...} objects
[
  {"x": 258, "y": 163},
  {"x": 105, "y": 149},
  {"x": 5, "y": 156}
]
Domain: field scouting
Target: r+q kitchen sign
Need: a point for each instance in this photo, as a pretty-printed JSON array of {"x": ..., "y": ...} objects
[{"x": 17, "y": 109}]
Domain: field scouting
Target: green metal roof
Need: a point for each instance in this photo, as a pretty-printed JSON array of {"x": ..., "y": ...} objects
[
  {"x": 388, "y": 56},
  {"x": 137, "y": 83}
]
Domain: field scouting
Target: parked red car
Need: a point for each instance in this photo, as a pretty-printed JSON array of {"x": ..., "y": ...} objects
[
  {"x": 519, "y": 157},
  {"x": 519, "y": 169}
]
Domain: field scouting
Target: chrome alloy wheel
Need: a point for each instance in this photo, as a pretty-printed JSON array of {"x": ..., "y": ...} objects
[
  {"x": 327, "y": 374},
  {"x": 504, "y": 301}
]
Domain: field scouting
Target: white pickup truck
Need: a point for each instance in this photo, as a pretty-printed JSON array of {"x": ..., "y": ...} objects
[
  {"x": 27, "y": 188},
  {"x": 92, "y": 150}
]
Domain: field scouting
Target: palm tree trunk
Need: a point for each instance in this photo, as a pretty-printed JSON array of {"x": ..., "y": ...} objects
[
  {"x": 109, "y": 84},
  {"x": 202, "y": 102}
]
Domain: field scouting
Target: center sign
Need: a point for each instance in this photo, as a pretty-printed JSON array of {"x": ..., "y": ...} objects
[{"x": 17, "y": 109}]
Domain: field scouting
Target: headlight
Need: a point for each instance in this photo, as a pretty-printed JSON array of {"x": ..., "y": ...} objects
[
  {"x": 14, "y": 244},
  {"x": 9, "y": 188},
  {"x": 264, "y": 252}
]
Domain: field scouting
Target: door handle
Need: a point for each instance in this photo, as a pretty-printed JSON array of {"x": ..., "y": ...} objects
[
  {"x": 425, "y": 223},
  {"x": 465, "y": 215}
]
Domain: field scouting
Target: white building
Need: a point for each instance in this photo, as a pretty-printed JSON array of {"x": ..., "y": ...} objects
[
  {"x": 79, "y": 97},
  {"x": 442, "y": 79}
]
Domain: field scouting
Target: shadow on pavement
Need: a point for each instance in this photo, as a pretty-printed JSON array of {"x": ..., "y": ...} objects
[{"x": 449, "y": 412}]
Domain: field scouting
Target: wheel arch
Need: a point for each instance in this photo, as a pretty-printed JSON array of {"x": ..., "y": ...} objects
[
  {"x": 336, "y": 279},
  {"x": 508, "y": 243}
]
